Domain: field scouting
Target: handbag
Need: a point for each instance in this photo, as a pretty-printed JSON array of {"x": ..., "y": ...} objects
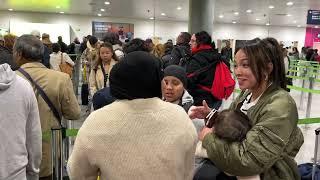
[{"x": 65, "y": 67}]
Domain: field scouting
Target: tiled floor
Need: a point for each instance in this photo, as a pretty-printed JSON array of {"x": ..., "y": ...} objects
[{"x": 306, "y": 151}]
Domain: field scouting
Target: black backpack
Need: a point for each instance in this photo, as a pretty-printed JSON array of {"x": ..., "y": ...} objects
[{"x": 181, "y": 58}]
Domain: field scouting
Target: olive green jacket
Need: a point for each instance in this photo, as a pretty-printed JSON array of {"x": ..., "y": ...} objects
[{"x": 269, "y": 147}]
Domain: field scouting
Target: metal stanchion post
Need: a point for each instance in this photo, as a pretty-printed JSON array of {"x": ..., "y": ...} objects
[
  {"x": 308, "y": 111},
  {"x": 53, "y": 154},
  {"x": 302, "y": 93},
  {"x": 57, "y": 153}
]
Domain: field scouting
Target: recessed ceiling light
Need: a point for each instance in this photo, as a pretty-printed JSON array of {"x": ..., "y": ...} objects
[
  {"x": 249, "y": 11},
  {"x": 221, "y": 16},
  {"x": 99, "y": 14},
  {"x": 299, "y": 26},
  {"x": 234, "y": 22},
  {"x": 289, "y": 3},
  {"x": 268, "y": 24},
  {"x": 58, "y": 7},
  {"x": 102, "y": 10},
  {"x": 288, "y": 15},
  {"x": 10, "y": 9},
  {"x": 271, "y": 7},
  {"x": 61, "y": 12},
  {"x": 258, "y": 19},
  {"x": 151, "y": 18},
  {"x": 179, "y": 8},
  {"x": 163, "y": 14},
  {"x": 107, "y": 3},
  {"x": 236, "y": 13}
]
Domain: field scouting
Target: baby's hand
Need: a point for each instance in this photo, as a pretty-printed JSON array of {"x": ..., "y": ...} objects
[{"x": 204, "y": 132}]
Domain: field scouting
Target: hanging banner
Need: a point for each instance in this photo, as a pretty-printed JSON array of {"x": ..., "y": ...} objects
[
  {"x": 124, "y": 30},
  {"x": 313, "y": 17}
]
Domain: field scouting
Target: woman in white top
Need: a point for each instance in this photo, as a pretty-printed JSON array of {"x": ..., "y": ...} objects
[{"x": 57, "y": 56}]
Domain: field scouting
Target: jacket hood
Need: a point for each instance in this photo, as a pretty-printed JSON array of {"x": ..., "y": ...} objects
[
  {"x": 7, "y": 76},
  {"x": 186, "y": 98}
]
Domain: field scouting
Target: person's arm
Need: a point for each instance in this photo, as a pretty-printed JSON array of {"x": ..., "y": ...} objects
[
  {"x": 69, "y": 104},
  {"x": 190, "y": 151},
  {"x": 263, "y": 145},
  {"x": 79, "y": 166},
  {"x": 33, "y": 139},
  {"x": 68, "y": 59}
]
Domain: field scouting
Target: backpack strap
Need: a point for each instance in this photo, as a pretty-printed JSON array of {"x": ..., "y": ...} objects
[
  {"x": 43, "y": 95},
  {"x": 204, "y": 69},
  {"x": 105, "y": 76}
]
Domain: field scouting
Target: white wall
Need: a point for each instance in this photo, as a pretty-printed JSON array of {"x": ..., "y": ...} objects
[
  {"x": 247, "y": 32},
  {"x": 81, "y": 24}
]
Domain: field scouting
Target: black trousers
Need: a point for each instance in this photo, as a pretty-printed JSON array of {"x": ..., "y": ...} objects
[{"x": 208, "y": 171}]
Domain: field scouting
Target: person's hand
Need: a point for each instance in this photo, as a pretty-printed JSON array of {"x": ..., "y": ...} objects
[
  {"x": 204, "y": 132},
  {"x": 199, "y": 112}
]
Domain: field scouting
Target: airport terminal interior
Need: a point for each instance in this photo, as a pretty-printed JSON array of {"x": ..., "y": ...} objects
[{"x": 93, "y": 89}]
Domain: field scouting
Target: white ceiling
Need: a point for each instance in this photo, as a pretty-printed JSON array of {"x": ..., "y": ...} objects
[
  {"x": 139, "y": 9},
  {"x": 260, "y": 10}
]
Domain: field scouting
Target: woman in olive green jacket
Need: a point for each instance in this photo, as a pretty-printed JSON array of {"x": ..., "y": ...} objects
[{"x": 274, "y": 140}]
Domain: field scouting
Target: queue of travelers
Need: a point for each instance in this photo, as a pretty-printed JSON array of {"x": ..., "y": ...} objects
[{"x": 150, "y": 117}]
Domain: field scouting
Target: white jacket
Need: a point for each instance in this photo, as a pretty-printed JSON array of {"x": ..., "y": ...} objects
[
  {"x": 55, "y": 60},
  {"x": 138, "y": 139}
]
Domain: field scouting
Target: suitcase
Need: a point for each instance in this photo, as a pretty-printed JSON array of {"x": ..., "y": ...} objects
[
  {"x": 315, "y": 167},
  {"x": 85, "y": 94},
  {"x": 84, "y": 87}
]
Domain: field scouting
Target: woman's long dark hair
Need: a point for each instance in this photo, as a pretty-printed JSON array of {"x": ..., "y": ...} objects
[
  {"x": 262, "y": 52},
  {"x": 109, "y": 46}
]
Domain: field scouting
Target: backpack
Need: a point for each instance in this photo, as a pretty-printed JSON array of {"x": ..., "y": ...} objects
[
  {"x": 184, "y": 59},
  {"x": 180, "y": 59},
  {"x": 223, "y": 84}
]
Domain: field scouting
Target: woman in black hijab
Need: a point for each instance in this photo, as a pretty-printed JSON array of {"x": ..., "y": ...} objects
[{"x": 137, "y": 76}]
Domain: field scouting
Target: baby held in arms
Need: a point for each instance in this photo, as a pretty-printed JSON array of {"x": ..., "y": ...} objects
[{"x": 230, "y": 125}]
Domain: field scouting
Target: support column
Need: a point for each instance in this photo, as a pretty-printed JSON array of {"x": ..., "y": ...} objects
[{"x": 201, "y": 15}]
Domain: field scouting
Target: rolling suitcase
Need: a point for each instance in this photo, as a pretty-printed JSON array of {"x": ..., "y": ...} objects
[
  {"x": 85, "y": 88},
  {"x": 315, "y": 167}
]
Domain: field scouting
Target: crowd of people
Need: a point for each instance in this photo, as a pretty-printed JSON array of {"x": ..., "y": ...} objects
[{"x": 150, "y": 117}]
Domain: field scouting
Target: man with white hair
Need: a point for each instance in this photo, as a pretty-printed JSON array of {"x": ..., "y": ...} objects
[
  {"x": 28, "y": 52},
  {"x": 46, "y": 55}
]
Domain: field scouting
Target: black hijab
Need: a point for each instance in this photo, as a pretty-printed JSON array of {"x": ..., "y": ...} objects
[{"x": 138, "y": 75}]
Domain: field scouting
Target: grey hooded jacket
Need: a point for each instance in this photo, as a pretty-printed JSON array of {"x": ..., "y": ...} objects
[{"x": 20, "y": 130}]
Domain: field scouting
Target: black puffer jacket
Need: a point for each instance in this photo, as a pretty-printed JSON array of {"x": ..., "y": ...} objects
[
  {"x": 6, "y": 57},
  {"x": 179, "y": 52},
  {"x": 198, "y": 61}
]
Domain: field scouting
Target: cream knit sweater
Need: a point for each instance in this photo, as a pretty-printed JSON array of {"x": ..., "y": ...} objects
[{"x": 142, "y": 139}]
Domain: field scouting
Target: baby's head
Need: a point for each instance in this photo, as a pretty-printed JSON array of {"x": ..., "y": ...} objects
[{"x": 231, "y": 125}]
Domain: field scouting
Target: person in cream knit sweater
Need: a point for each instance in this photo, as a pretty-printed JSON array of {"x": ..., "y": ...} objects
[{"x": 139, "y": 136}]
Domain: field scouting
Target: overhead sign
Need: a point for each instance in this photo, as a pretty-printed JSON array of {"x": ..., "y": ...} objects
[
  {"x": 313, "y": 17},
  {"x": 124, "y": 30}
]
